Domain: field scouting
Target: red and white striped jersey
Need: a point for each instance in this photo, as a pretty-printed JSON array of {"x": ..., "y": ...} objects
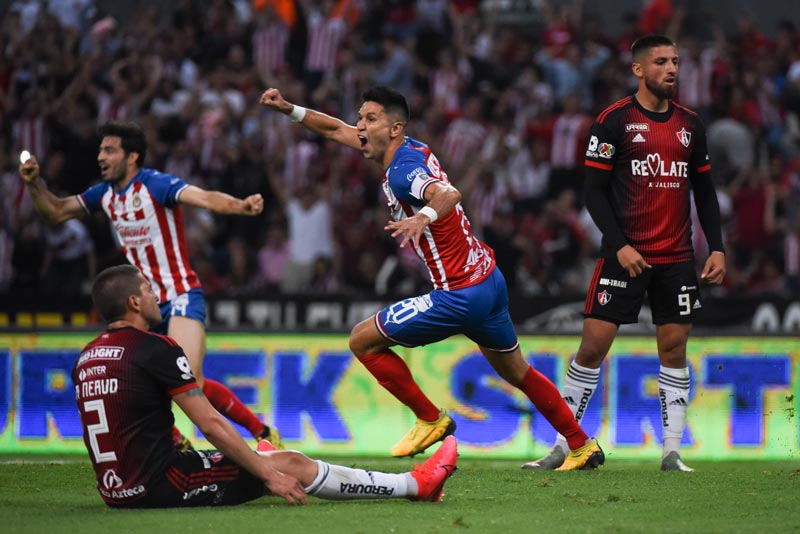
[
  {"x": 148, "y": 223},
  {"x": 696, "y": 79},
  {"x": 454, "y": 256},
  {"x": 570, "y": 133},
  {"x": 30, "y": 133},
  {"x": 325, "y": 35},
  {"x": 463, "y": 138},
  {"x": 269, "y": 47}
]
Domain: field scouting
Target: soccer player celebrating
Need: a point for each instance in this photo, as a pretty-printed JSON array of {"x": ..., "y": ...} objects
[
  {"x": 143, "y": 205},
  {"x": 124, "y": 380},
  {"x": 469, "y": 295},
  {"x": 645, "y": 153}
]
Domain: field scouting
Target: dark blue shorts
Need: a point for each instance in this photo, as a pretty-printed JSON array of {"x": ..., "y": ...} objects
[
  {"x": 191, "y": 305},
  {"x": 480, "y": 312}
]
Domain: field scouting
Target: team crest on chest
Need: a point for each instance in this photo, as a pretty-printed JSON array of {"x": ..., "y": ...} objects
[
  {"x": 603, "y": 297},
  {"x": 684, "y": 137},
  {"x": 137, "y": 201}
]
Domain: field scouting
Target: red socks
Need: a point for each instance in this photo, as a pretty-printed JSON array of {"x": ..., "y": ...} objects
[
  {"x": 227, "y": 404},
  {"x": 547, "y": 399},
  {"x": 394, "y": 375}
]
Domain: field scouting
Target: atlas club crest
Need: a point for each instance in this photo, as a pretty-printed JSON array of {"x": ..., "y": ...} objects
[
  {"x": 684, "y": 137},
  {"x": 603, "y": 297}
]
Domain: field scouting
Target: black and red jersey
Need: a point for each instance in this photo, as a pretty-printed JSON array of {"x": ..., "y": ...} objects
[
  {"x": 652, "y": 159},
  {"x": 124, "y": 382}
]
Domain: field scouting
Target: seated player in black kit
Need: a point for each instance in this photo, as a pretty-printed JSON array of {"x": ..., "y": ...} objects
[{"x": 125, "y": 380}]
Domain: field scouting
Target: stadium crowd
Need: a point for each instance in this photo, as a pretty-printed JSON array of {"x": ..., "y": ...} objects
[{"x": 506, "y": 105}]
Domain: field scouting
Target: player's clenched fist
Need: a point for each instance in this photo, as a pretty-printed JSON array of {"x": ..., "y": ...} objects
[
  {"x": 29, "y": 169},
  {"x": 254, "y": 204},
  {"x": 272, "y": 98}
]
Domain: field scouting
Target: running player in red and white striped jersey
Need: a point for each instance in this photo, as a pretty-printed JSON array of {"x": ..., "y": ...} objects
[
  {"x": 469, "y": 295},
  {"x": 144, "y": 208}
]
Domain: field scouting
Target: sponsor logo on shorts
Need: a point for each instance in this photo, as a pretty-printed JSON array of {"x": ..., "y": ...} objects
[
  {"x": 613, "y": 283},
  {"x": 603, "y": 297},
  {"x": 197, "y": 491}
]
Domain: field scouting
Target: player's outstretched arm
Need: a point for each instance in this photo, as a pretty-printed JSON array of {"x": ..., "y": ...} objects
[
  {"x": 225, "y": 439},
  {"x": 52, "y": 208},
  {"x": 220, "y": 202},
  {"x": 316, "y": 121}
]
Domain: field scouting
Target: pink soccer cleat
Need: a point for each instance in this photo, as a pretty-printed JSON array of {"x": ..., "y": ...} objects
[{"x": 432, "y": 474}]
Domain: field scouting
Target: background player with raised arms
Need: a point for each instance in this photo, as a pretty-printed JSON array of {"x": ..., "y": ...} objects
[
  {"x": 469, "y": 295},
  {"x": 125, "y": 380},
  {"x": 645, "y": 153},
  {"x": 144, "y": 208}
]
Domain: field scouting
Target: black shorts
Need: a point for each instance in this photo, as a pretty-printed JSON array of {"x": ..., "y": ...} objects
[
  {"x": 201, "y": 478},
  {"x": 672, "y": 290}
]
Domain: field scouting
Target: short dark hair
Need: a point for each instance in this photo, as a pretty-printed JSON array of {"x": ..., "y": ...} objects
[
  {"x": 392, "y": 101},
  {"x": 644, "y": 44},
  {"x": 131, "y": 137},
  {"x": 111, "y": 290}
]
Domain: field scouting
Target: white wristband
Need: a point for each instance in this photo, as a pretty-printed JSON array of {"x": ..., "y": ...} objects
[
  {"x": 297, "y": 114},
  {"x": 430, "y": 212}
]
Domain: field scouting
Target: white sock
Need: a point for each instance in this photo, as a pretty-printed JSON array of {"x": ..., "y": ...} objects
[
  {"x": 579, "y": 386},
  {"x": 673, "y": 392},
  {"x": 337, "y": 482}
]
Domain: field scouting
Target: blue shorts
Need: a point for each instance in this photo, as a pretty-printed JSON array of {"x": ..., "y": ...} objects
[
  {"x": 480, "y": 312},
  {"x": 191, "y": 305}
]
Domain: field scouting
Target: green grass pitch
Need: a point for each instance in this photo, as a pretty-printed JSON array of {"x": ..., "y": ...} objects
[{"x": 50, "y": 495}]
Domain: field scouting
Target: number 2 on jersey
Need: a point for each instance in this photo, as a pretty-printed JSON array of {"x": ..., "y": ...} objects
[{"x": 95, "y": 429}]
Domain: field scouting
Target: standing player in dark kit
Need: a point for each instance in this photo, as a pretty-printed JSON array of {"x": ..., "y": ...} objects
[
  {"x": 645, "y": 153},
  {"x": 125, "y": 380},
  {"x": 469, "y": 295}
]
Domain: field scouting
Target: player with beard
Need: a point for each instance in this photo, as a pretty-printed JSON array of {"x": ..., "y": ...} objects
[
  {"x": 124, "y": 382},
  {"x": 146, "y": 217},
  {"x": 645, "y": 153},
  {"x": 469, "y": 295}
]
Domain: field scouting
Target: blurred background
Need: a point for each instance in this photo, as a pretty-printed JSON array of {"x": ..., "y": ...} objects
[{"x": 503, "y": 91}]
